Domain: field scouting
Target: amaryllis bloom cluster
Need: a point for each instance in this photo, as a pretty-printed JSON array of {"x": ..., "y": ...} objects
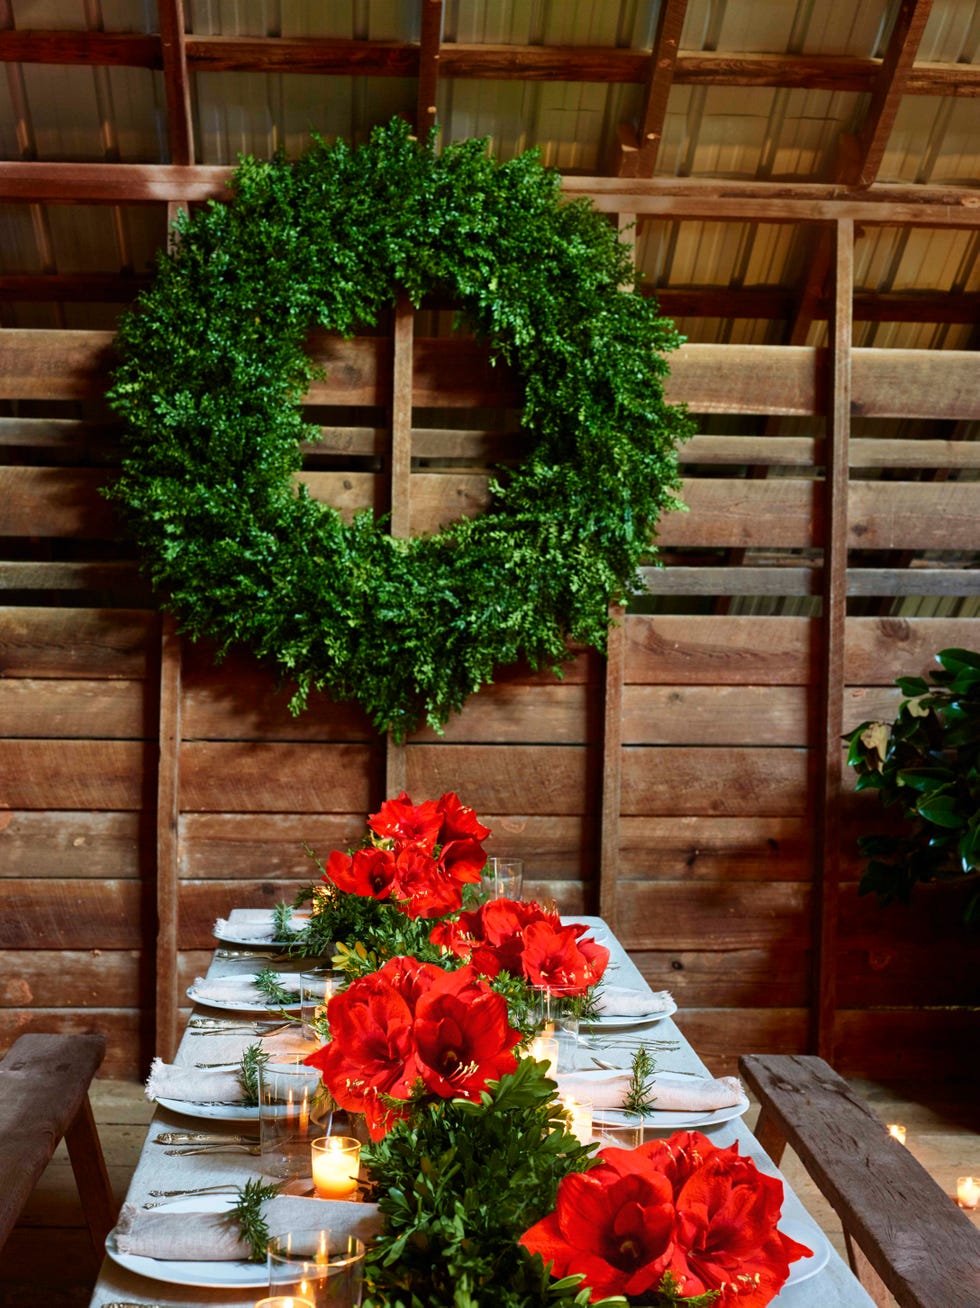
[
  {"x": 413, "y": 1025},
  {"x": 420, "y": 857},
  {"x": 682, "y": 1205},
  {"x": 507, "y": 935}
]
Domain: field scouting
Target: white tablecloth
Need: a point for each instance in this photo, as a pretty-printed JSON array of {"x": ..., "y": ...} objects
[{"x": 833, "y": 1287}]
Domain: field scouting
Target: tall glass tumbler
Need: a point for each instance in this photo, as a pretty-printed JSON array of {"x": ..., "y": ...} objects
[
  {"x": 317, "y": 987},
  {"x": 292, "y": 1101},
  {"x": 318, "y": 1264}
]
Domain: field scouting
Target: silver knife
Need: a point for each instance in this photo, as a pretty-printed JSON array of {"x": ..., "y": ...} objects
[{"x": 202, "y": 1137}]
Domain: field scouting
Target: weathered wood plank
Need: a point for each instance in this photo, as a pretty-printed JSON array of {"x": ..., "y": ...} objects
[
  {"x": 719, "y": 1033},
  {"x": 522, "y": 779},
  {"x": 890, "y": 515},
  {"x": 120, "y": 1026},
  {"x": 713, "y": 781},
  {"x": 935, "y": 384},
  {"x": 68, "y": 914},
  {"x": 83, "y": 978},
  {"x": 271, "y": 844},
  {"x": 242, "y": 777},
  {"x": 719, "y": 650},
  {"x": 62, "y": 642},
  {"x": 877, "y": 650},
  {"x": 882, "y": 1044},
  {"x": 734, "y": 512},
  {"x": 715, "y": 715},
  {"x": 60, "y": 844},
  {"x": 74, "y": 774},
  {"x": 716, "y": 915},
  {"x": 773, "y": 976},
  {"x": 745, "y": 848},
  {"x": 77, "y": 709}
]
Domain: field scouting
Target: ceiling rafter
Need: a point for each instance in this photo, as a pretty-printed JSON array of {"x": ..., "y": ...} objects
[
  {"x": 637, "y": 156},
  {"x": 513, "y": 62}
]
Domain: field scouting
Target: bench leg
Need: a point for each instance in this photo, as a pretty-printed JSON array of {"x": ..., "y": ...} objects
[
  {"x": 770, "y": 1135},
  {"x": 873, "y": 1285},
  {"x": 88, "y": 1164}
]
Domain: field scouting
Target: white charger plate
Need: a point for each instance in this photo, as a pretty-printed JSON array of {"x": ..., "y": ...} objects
[
  {"x": 619, "y": 1022},
  {"x": 211, "y": 1112},
  {"x": 806, "y": 1234},
  {"x": 241, "y": 1005},
  {"x": 212, "y": 1275}
]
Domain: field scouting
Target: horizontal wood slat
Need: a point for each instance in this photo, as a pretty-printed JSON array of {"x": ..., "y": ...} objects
[
  {"x": 61, "y": 642},
  {"x": 120, "y": 1026},
  {"x": 715, "y": 715},
  {"x": 718, "y": 782},
  {"x": 700, "y": 848},
  {"x": 75, "y": 774},
  {"x": 83, "y": 978},
  {"x": 237, "y": 777},
  {"x": 522, "y": 779},
  {"x": 905, "y": 1043},
  {"x": 69, "y": 914},
  {"x": 715, "y": 1033},
  {"x": 59, "y": 844},
  {"x": 774, "y": 976},
  {"x": 73, "y": 709},
  {"x": 710, "y": 651},
  {"x": 710, "y": 915},
  {"x": 877, "y": 650}
]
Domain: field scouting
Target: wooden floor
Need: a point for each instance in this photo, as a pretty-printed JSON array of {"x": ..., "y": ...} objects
[{"x": 49, "y": 1260}]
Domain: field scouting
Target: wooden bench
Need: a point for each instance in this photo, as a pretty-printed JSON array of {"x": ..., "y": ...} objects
[
  {"x": 904, "y": 1235},
  {"x": 44, "y": 1082}
]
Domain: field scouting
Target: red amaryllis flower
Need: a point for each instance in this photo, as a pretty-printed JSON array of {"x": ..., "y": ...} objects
[
  {"x": 368, "y": 871},
  {"x": 462, "y": 1035},
  {"x": 554, "y": 957},
  {"x": 726, "y": 1226},
  {"x": 463, "y": 860},
  {"x": 401, "y": 820},
  {"x": 614, "y": 1225},
  {"x": 421, "y": 887},
  {"x": 459, "y": 822}
]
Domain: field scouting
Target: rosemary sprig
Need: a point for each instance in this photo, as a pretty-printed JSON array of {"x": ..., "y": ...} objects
[
  {"x": 253, "y": 1057},
  {"x": 268, "y": 983},
  {"x": 247, "y": 1211},
  {"x": 638, "y": 1098},
  {"x": 282, "y": 917}
]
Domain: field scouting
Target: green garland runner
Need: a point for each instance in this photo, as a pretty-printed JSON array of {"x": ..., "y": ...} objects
[{"x": 213, "y": 369}]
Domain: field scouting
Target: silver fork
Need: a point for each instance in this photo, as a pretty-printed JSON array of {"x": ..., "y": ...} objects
[
  {"x": 215, "y": 1149},
  {"x": 181, "y": 1194}
]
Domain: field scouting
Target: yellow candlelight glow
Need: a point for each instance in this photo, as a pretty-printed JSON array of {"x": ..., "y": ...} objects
[
  {"x": 967, "y": 1191},
  {"x": 897, "y": 1131},
  {"x": 579, "y": 1112},
  {"x": 544, "y": 1049},
  {"x": 335, "y": 1162},
  {"x": 284, "y": 1301}
]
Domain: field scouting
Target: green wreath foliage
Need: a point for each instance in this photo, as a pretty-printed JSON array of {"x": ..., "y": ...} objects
[{"x": 212, "y": 371}]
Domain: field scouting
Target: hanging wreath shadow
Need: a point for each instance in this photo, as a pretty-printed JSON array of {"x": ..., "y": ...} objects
[{"x": 212, "y": 372}]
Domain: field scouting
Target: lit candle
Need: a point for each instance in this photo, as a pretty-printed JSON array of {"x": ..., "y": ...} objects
[
  {"x": 967, "y": 1191},
  {"x": 897, "y": 1131},
  {"x": 284, "y": 1301},
  {"x": 544, "y": 1049},
  {"x": 335, "y": 1163},
  {"x": 304, "y": 1114},
  {"x": 579, "y": 1112}
]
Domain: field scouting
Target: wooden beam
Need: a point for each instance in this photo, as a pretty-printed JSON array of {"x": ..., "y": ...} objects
[
  {"x": 176, "y": 81},
  {"x": 830, "y": 700},
  {"x": 906, "y": 34},
  {"x": 396, "y": 761},
  {"x": 430, "y": 40},
  {"x": 641, "y": 160},
  {"x": 168, "y": 836},
  {"x": 723, "y": 201},
  {"x": 612, "y": 770}
]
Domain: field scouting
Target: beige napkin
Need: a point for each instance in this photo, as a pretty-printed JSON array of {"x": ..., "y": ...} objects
[
  {"x": 214, "y": 1237},
  {"x": 674, "y": 1094},
  {"x": 197, "y": 1084},
  {"x": 240, "y": 989},
  {"x": 255, "y": 924},
  {"x": 618, "y": 1001},
  {"x": 228, "y": 1048}
]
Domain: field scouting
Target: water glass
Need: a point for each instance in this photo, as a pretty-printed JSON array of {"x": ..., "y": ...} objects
[
  {"x": 502, "y": 878},
  {"x": 557, "y": 1014},
  {"x": 618, "y": 1130},
  {"x": 318, "y": 1264},
  {"x": 316, "y": 988},
  {"x": 293, "y": 1102}
]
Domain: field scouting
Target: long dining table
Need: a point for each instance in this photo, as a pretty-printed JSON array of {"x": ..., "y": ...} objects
[{"x": 823, "y": 1282}]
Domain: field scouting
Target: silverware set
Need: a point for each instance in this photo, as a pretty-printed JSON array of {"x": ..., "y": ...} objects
[
  {"x": 188, "y": 1151},
  {"x": 202, "y": 1137},
  {"x": 226, "y": 1026}
]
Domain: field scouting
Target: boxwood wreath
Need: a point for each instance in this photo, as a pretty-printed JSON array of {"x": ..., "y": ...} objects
[{"x": 212, "y": 371}]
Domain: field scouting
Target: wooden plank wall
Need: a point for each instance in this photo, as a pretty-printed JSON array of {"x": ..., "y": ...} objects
[{"x": 680, "y": 785}]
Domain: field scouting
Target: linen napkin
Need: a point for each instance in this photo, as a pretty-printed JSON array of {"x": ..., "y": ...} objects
[
  {"x": 618, "y": 1001},
  {"x": 214, "y": 1237},
  {"x": 255, "y": 924},
  {"x": 673, "y": 1094},
  {"x": 196, "y": 1084},
  {"x": 239, "y": 989}
]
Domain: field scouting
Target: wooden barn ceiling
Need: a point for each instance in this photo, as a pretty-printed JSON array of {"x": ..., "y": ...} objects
[{"x": 726, "y": 123}]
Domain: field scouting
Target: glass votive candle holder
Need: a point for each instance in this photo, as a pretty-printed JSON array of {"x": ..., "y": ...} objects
[
  {"x": 897, "y": 1131},
  {"x": 544, "y": 1049},
  {"x": 318, "y": 1265},
  {"x": 290, "y": 1102},
  {"x": 617, "y": 1130},
  {"x": 335, "y": 1161},
  {"x": 967, "y": 1191},
  {"x": 556, "y": 1010},
  {"x": 579, "y": 1114},
  {"x": 502, "y": 878},
  {"x": 284, "y": 1301},
  {"x": 316, "y": 988}
]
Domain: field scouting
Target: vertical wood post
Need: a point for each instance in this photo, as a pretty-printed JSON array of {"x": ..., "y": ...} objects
[
  {"x": 168, "y": 817},
  {"x": 396, "y": 762},
  {"x": 612, "y": 771},
  {"x": 830, "y": 715}
]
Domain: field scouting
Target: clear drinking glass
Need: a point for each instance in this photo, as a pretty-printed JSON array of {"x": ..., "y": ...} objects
[
  {"x": 293, "y": 1102},
  {"x": 317, "y": 1264},
  {"x": 556, "y": 1010},
  {"x": 316, "y": 988},
  {"x": 502, "y": 878}
]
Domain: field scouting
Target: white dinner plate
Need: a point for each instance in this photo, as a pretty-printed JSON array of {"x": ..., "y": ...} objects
[
  {"x": 619, "y": 1022},
  {"x": 242, "y": 1005},
  {"x": 806, "y": 1234},
  {"x": 213, "y": 1275},
  {"x": 213, "y": 1112},
  {"x": 231, "y": 937}
]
